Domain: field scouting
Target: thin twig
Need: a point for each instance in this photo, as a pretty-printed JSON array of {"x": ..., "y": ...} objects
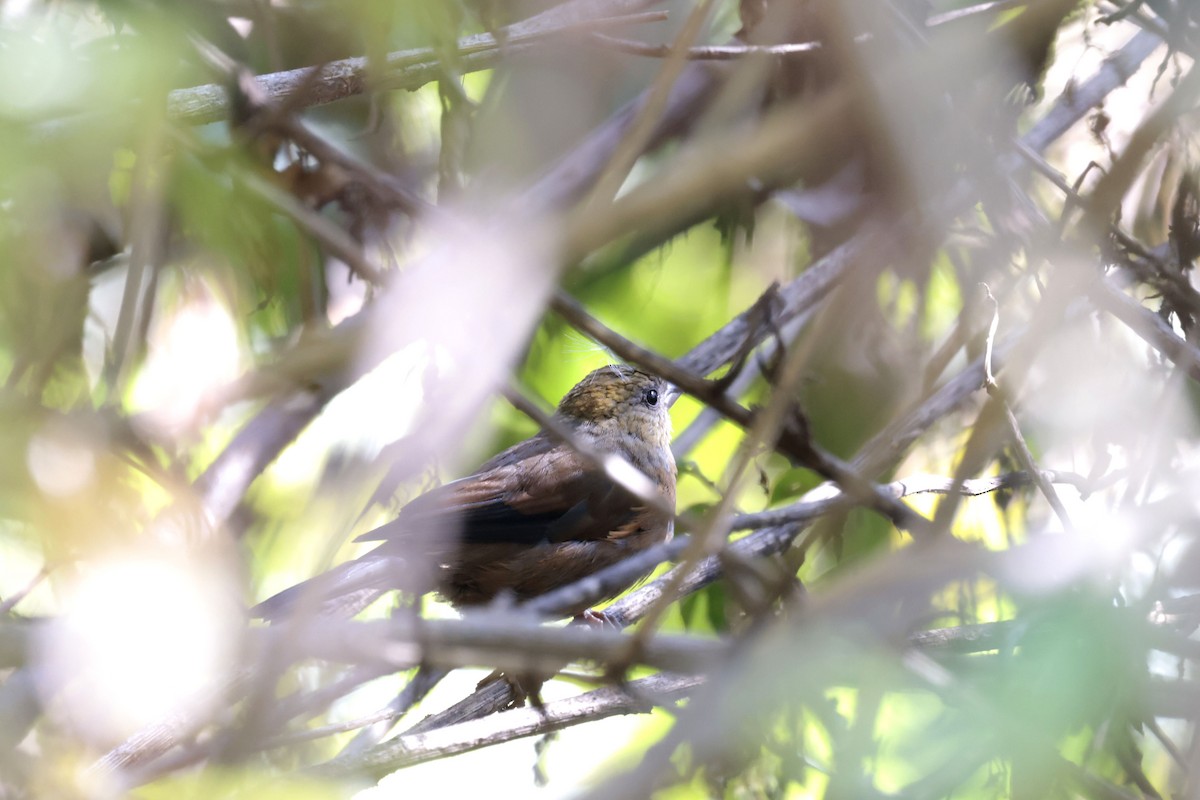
[
  {"x": 405, "y": 69},
  {"x": 16, "y": 597},
  {"x": 1150, "y": 327},
  {"x": 712, "y": 52},
  {"x": 999, "y": 395},
  {"x": 645, "y": 122},
  {"x": 638, "y": 697}
]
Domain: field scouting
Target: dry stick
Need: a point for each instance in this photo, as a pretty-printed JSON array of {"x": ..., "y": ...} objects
[
  {"x": 691, "y": 436},
  {"x": 416, "y": 689},
  {"x": 1113, "y": 184},
  {"x": 268, "y": 114},
  {"x": 1024, "y": 455},
  {"x": 146, "y": 219},
  {"x": 181, "y": 758},
  {"x": 224, "y": 483},
  {"x": 288, "y": 708},
  {"x": 886, "y": 446},
  {"x": 962, "y": 13},
  {"x": 1079, "y": 100},
  {"x": 163, "y": 736},
  {"x": 1171, "y": 284},
  {"x": 16, "y": 597},
  {"x": 515, "y": 642},
  {"x": 789, "y": 143},
  {"x": 716, "y": 52},
  {"x": 1133, "y": 12},
  {"x": 568, "y": 179},
  {"x": 334, "y": 238},
  {"x": 411, "y": 69},
  {"x": 984, "y": 434},
  {"x": 638, "y": 697},
  {"x": 785, "y": 330},
  {"x": 639, "y": 134},
  {"x": 1150, "y": 327},
  {"x": 798, "y": 297},
  {"x": 504, "y": 637}
]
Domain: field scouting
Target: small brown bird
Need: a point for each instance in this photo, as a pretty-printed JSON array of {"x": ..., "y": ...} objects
[{"x": 533, "y": 518}]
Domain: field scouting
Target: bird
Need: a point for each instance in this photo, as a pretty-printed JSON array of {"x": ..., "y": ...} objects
[{"x": 533, "y": 518}]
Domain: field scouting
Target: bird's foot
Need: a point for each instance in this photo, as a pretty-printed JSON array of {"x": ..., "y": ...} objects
[
  {"x": 523, "y": 688},
  {"x": 596, "y": 619}
]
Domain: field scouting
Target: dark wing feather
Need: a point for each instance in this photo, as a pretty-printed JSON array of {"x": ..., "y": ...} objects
[{"x": 532, "y": 493}]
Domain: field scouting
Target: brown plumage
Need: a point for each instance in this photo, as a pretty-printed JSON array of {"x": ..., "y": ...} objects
[{"x": 533, "y": 518}]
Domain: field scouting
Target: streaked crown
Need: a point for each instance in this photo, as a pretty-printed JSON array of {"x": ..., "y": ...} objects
[{"x": 612, "y": 391}]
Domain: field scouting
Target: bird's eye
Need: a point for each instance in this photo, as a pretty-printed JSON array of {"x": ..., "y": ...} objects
[{"x": 651, "y": 397}]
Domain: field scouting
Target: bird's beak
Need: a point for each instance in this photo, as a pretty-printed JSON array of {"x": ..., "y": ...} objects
[{"x": 673, "y": 394}]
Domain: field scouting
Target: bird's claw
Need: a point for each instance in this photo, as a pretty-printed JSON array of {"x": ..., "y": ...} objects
[
  {"x": 524, "y": 688},
  {"x": 596, "y": 619}
]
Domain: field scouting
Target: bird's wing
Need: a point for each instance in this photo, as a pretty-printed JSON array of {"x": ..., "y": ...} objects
[{"x": 534, "y": 493}]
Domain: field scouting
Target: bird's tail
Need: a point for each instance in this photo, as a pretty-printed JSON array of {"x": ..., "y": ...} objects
[{"x": 342, "y": 591}]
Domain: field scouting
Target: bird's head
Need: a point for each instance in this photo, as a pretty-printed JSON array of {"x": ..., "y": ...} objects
[{"x": 621, "y": 400}]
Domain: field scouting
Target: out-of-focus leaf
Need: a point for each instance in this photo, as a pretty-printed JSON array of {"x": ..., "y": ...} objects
[
  {"x": 792, "y": 483},
  {"x": 706, "y": 610}
]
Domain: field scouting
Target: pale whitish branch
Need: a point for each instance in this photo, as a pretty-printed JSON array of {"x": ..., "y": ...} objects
[
  {"x": 505, "y": 639},
  {"x": 1000, "y": 395},
  {"x": 1150, "y": 327},
  {"x": 714, "y": 52},
  {"x": 410, "y": 69},
  {"x": 637, "y": 697},
  {"x": 430, "y": 742}
]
